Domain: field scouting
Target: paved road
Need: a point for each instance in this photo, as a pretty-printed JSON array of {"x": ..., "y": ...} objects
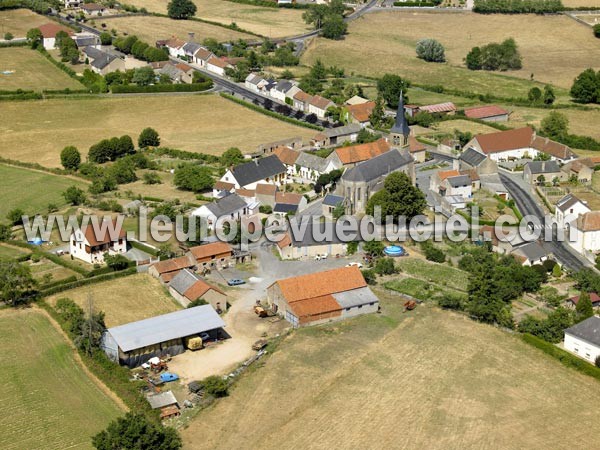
[{"x": 528, "y": 205}]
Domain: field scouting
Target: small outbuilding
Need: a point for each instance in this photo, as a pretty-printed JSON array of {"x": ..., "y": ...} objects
[
  {"x": 188, "y": 287},
  {"x": 583, "y": 339}
]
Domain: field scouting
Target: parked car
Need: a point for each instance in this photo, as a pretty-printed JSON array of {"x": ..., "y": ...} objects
[
  {"x": 355, "y": 264},
  {"x": 235, "y": 282},
  {"x": 320, "y": 257}
]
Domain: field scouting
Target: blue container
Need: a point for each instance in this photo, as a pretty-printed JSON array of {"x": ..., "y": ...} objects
[{"x": 394, "y": 250}]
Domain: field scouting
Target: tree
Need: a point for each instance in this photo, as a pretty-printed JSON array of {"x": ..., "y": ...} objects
[
  {"x": 557, "y": 271},
  {"x": 143, "y": 76},
  {"x": 334, "y": 27},
  {"x": 385, "y": 266},
  {"x": 597, "y": 30},
  {"x": 586, "y": 87},
  {"x": 215, "y": 386},
  {"x": 389, "y": 87},
  {"x": 5, "y": 232},
  {"x": 541, "y": 180},
  {"x": 8, "y": 36},
  {"x": 430, "y": 50},
  {"x": 584, "y": 309},
  {"x": 534, "y": 95},
  {"x": 398, "y": 198},
  {"x": 34, "y": 37},
  {"x": 16, "y": 283},
  {"x": 494, "y": 56},
  {"x": 122, "y": 172},
  {"x": 70, "y": 158},
  {"x": 15, "y": 216},
  {"x": 373, "y": 248},
  {"x": 318, "y": 70},
  {"x": 432, "y": 253},
  {"x": 192, "y": 177},
  {"x": 369, "y": 276},
  {"x": 134, "y": 431},
  {"x": 231, "y": 157},
  {"x": 555, "y": 125},
  {"x": 148, "y": 138},
  {"x": 181, "y": 9},
  {"x": 74, "y": 196},
  {"x": 315, "y": 15},
  {"x": 473, "y": 59},
  {"x": 116, "y": 262},
  {"x": 106, "y": 38},
  {"x": 549, "y": 95},
  {"x": 378, "y": 113}
]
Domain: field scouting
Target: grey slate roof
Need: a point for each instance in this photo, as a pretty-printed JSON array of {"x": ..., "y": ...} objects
[
  {"x": 472, "y": 157},
  {"x": 102, "y": 61},
  {"x": 342, "y": 131},
  {"x": 400, "y": 125},
  {"x": 533, "y": 251},
  {"x": 283, "y": 86},
  {"x": 257, "y": 170},
  {"x": 254, "y": 79},
  {"x": 588, "y": 330},
  {"x": 355, "y": 297},
  {"x": 543, "y": 167},
  {"x": 169, "y": 69},
  {"x": 190, "y": 48},
  {"x": 312, "y": 162},
  {"x": 93, "y": 52},
  {"x": 85, "y": 41},
  {"x": 183, "y": 281},
  {"x": 161, "y": 400},
  {"x": 163, "y": 328},
  {"x": 567, "y": 201},
  {"x": 461, "y": 180},
  {"x": 226, "y": 205},
  {"x": 376, "y": 167},
  {"x": 333, "y": 200},
  {"x": 285, "y": 208}
]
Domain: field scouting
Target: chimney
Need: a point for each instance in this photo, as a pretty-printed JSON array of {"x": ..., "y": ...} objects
[{"x": 191, "y": 35}]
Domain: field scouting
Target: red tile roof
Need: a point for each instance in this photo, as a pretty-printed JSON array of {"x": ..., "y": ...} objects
[
  {"x": 173, "y": 265},
  {"x": 183, "y": 67},
  {"x": 245, "y": 192},
  {"x": 483, "y": 112},
  {"x": 505, "y": 140},
  {"x": 302, "y": 96},
  {"x": 362, "y": 111},
  {"x": 415, "y": 146},
  {"x": 50, "y": 29},
  {"x": 266, "y": 189},
  {"x": 439, "y": 108},
  {"x": 595, "y": 298},
  {"x": 213, "y": 60},
  {"x": 316, "y": 306},
  {"x": 203, "y": 54},
  {"x": 321, "y": 102},
  {"x": 286, "y": 155},
  {"x": 288, "y": 198},
  {"x": 590, "y": 221},
  {"x": 550, "y": 147},
  {"x": 174, "y": 42},
  {"x": 443, "y": 174},
  {"x": 362, "y": 152},
  {"x": 102, "y": 235},
  {"x": 223, "y": 186},
  {"x": 205, "y": 251},
  {"x": 198, "y": 289},
  {"x": 285, "y": 241}
]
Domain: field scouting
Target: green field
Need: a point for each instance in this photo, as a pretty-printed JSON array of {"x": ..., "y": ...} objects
[
  {"x": 9, "y": 251},
  {"x": 29, "y": 70},
  {"x": 48, "y": 400},
  {"x": 422, "y": 379},
  {"x": 441, "y": 274},
  {"x": 31, "y": 190}
]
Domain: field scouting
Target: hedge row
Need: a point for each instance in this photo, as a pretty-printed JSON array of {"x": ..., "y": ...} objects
[
  {"x": 563, "y": 356},
  {"x": 144, "y": 248},
  {"x": 60, "y": 65},
  {"x": 88, "y": 281},
  {"x": 413, "y": 4},
  {"x": 22, "y": 96},
  {"x": 13, "y": 44},
  {"x": 35, "y": 166},
  {"x": 53, "y": 284},
  {"x": 271, "y": 4},
  {"x": 273, "y": 114},
  {"x": 183, "y": 154},
  {"x": 105, "y": 270},
  {"x": 135, "y": 89}
]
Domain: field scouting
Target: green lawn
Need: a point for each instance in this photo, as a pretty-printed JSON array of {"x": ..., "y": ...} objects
[
  {"x": 8, "y": 251},
  {"x": 48, "y": 400},
  {"x": 441, "y": 274},
  {"x": 30, "y": 190}
]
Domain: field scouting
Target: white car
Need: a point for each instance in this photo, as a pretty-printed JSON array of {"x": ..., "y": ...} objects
[
  {"x": 355, "y": 264},
  {"x": 320, "y": 257}
]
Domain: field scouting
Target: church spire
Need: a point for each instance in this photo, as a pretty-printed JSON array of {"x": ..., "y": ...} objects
[{"x": 400, "y": 131}]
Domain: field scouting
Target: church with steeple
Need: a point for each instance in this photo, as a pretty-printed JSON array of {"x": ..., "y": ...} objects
[{"x": 400, "y": 131}]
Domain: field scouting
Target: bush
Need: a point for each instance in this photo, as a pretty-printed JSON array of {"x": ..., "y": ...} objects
[
  {"x": 385, "y": 266},
  {"x": 8, "y": 36},
  {"x": 517, "y": 6},
  {"x": 191, "y": 177},
  {"x": 597, "y": 30},
  {"x": 15, "y": 216},
  {"x": 265, "y": 209},
  {"x": 148, "y": 138},
  {"x": 369, "y": 276},
  {"x": 433, "y": 253},
  {"x": 133, "y": 89},
  {"x": 430, "y": 50},
  {"x": 197, "y": 302},
  {"x": 494, "y": 56},
  {"x": 215, "y": 386},
  {"x": 451, "y": 301},
  {"x": 74, "y": 196},
  {"x": 151, "y": 178},
  {"x": 70, "y": 158}
]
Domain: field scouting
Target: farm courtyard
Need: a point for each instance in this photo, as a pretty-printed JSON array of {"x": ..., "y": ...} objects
[
  {"x": 49, "y": 402},
  {"x": 566, "y": 49},
  {"x": 37, "y": 131},
  {"x": 425, "y": 379}
]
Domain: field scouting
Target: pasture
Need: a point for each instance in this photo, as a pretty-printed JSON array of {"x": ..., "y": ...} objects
[
  {"x": 123, "y": 300},
  {"x": 197, "y": 123},
  {"x": 28, "y": 70},
  {"x": 424, "y": 379},
  {"x": 49, "y": 400},
  {"x": 32, "y": 190},
  {"x": 270, "y": 22},
  {"x": 19, "y": 22},
  {"x": 150, "y": 29},
  {"x": 10, "y": 251},
  {"x": 46, "y": 268},
  {"x": 566, "y": 50}
]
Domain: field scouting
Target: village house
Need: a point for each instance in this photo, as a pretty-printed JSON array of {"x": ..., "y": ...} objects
[
  {"x": 336, "y": 136},
  {"x": 173, "y": 45},
  {"x": 356, "y": 100},
  {"x": 90, "y": 243},
  {"x": 265, "y": 194},
  {"x": 308, "y": 246},
  {"x": 267, "y": 170},
  {"x": 330, "y": 203},
  {"x": 202, "y": 56},
  {"x": 187, "y": 287},
  {"x": 352, "y": 155},
  {"x": 83, "y": 40},
  {"x": 471, "y": 159},
  {"x": 49, "y": 31},
  {"x": 231, "y": 207},
  {"x": 568, "y": 209},
  {"x": 540, "y": 172},
  {"x": 451, "y": 183},
  {"x": 93, "y": 9},
  {"x": 289, "y": 203},
  {"x": 217, "y": 65},
  {"x": 311, "y": 167},
  {"x": 583, "y": 339},
  {"x": 417, "y": 149},
  {"x": 288, "y": 157},
  {"x": 359, "y": 113},
  {"x": 72, "y": 3},
  {"x": 216, "y": 255},
  {"x": 301, "y": 100},
  {"x": 502, "y": 244},
  {"x": 222, "y": 188},
  {"x": 447, "y": 108},
  {"x": 581, "y": 169},
  {"x": 520, "y": 143},
  {"x": 584, "y": 234},
  {"x": 189, "y": 49},
  {"x": 318, "y": 105},
  {"x": 255, "y": 82},
  {"x": 295, "y": 143},
  {"x": 281, "y": 89},
  {"x": 102, "y": 62},
  {"x": 322, "y": 297},
  {"x": 166, "y": 270},
  {"x": 474, "y": 177},
  {"x": 360, "y": 182},
  {"x": 594, "y": 298},
  {"x": 530, "y": 253},
  {"x": 489, "y": 113}
]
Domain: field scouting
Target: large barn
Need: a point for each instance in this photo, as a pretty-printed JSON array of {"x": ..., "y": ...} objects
[
  {"x": 135, "y": 343},
  {"x": 322, "y": 297}
]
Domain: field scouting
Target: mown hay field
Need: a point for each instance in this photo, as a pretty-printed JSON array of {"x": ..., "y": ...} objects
[
  {"x": 49, "y": 402},
  {"x": 123, "y": 300},
  {"x": 270, "y": 22},
  {"x": 24, "y": 68},
  {"x": 566, "y": 49},
  {"x": 424, "y": 379},
  {"x": 19, "y": 21},
  {"x": 37, "y": 131}
]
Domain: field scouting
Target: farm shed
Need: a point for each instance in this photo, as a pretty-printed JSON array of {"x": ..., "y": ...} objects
[
  {"x": 135, "y": 343},
  {"x": 322, "y": 297},
  {"x": 187, "y": 287}
]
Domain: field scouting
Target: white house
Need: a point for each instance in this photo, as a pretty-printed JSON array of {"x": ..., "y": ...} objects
[
  {"x": 451, "y": 183},
  {"x": 584, "y": 234},
  {"x": 312, "y": 166},
  {"x": 281, "y": 89},
  {"x": 318, "y": 105},
  {"x": 49, "y": 31},
  {"x": 267, "y": 170},
  {"x": 255, "y": 82},
  {"x": 569, "y": 208},
  {"x": 217, "y": 65},
  {"x": 583, "y": 339},
  {"x": 202, "y": 56},
  {"x": 530, "y": 253},
  {"x": 91, "y": 243},
  {"x": 175, "y": 47},
  {"x": 232, "y": 206},
  {"x": 72, "y": 3}
]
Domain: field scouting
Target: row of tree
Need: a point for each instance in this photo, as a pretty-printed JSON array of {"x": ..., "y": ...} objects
[
  {"x": 586, "y": 87},
  {"x": 131, "y": 45},
  {"x": 494, "y": 56},
  {"x": 329, "y": 18},
  {"x": 517, "y": 6}
]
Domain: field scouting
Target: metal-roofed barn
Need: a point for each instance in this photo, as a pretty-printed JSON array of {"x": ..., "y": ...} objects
[{"x": 135, "y": 343}]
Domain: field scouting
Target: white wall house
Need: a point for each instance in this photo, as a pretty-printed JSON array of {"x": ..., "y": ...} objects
[
  {"x": 231, "y": 206},
  {"x": 583, "y": 339},
  {"x": 90, "y": 245},
  {"x": 217, "y": 65},
  {"x": 584, "y": 234},
  {"x": 318, "y": 105},
  {"x": 568, "y": 209},
  {"x": 267, "y": 170}
]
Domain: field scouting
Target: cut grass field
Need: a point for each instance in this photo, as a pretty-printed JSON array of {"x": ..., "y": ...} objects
[
  {"x": 10, "y": 251},
  {"x": 449, "y": 126},
  {"x": 47, "y": 267},
  {"x": 19, "y": 22},
  {"x": 150, "y": 29},
  {"x": 125, "y": 299},
  {"x": 197, "y": 123},
  {"x": 31, "y": 71},
  {"x": 50, "y": 402},
  {"x": 425, "y": 379},
  {"x": 580, "y": 121},
  {"x": 566, "y": 50},
  {"x": 435, "y": 273},
  {"x": 270, "y": 22},
  {"x": 31, "y": 190}
]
